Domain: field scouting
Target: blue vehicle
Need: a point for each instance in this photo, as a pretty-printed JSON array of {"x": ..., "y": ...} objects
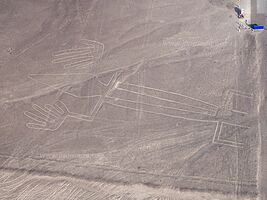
[{"x": 257, "y": 27}]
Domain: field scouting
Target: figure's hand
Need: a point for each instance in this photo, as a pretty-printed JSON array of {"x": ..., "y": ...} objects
[
  {"x": 80, "y": 57},
  {"x": 49, "y": 117}
]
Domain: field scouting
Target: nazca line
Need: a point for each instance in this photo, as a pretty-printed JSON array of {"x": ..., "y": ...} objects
[
  {"x": 167, "y": 100},
  {"x": 178, "y": 94},
  {"x": 230, "y": 95},
  {"x": 112, "y": 84},
  {"x": 156, "y": 105},
  {"x": 58, "y": 87},
  {"x": 80, "y": 57},
  {"x": 50, "y": 114},
  {"x": 46, "y": 121},
  {"x": 234, "y": 92},
  {"x": 91, "y": 76},
  {"x": 163, "y": 114},
  {"x": 240, "y": 93},
  {"x": 217, "y": 135}
]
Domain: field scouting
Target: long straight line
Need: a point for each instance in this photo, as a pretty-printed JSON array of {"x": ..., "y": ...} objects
[
  {"x": 167, "y": 100},
  {"x": 159, "y": 106},
  {"x": 178, "y": 94},
  {"x": 163, "y": 114}
]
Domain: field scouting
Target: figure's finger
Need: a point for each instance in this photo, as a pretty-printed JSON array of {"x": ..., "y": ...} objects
[
  {"x": 92, "y": 43},
  {"x": 36, "y": 126},
  {"x": 88, "y": 43},
  {"x": 73, "y": 57},
  {"x": 43, "y": 112},
  {"x": 69, "y": 52},
  {"x": 53, "y": 110},
  {"x": 61, "y": 107},
  {"x": 81, "y": 61},
  {"x": 35, "y": 117},
  {"x": 79, "y": 64},
  {"x": 98, "y": 49}
]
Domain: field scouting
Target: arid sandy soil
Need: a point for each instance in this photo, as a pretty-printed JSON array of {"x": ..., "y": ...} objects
[{"x": 129, "y": 99}]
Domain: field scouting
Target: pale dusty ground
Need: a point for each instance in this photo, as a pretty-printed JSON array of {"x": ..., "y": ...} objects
[
  {"x": 126, "y": 98},
  {"x": 22, "y": 186}
]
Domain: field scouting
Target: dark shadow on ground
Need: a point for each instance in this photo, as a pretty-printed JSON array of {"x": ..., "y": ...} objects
[{"x": 237, "y": 10}]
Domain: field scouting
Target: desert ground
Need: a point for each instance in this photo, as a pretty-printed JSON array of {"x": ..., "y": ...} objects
[{"x": 132, "y": 100}]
